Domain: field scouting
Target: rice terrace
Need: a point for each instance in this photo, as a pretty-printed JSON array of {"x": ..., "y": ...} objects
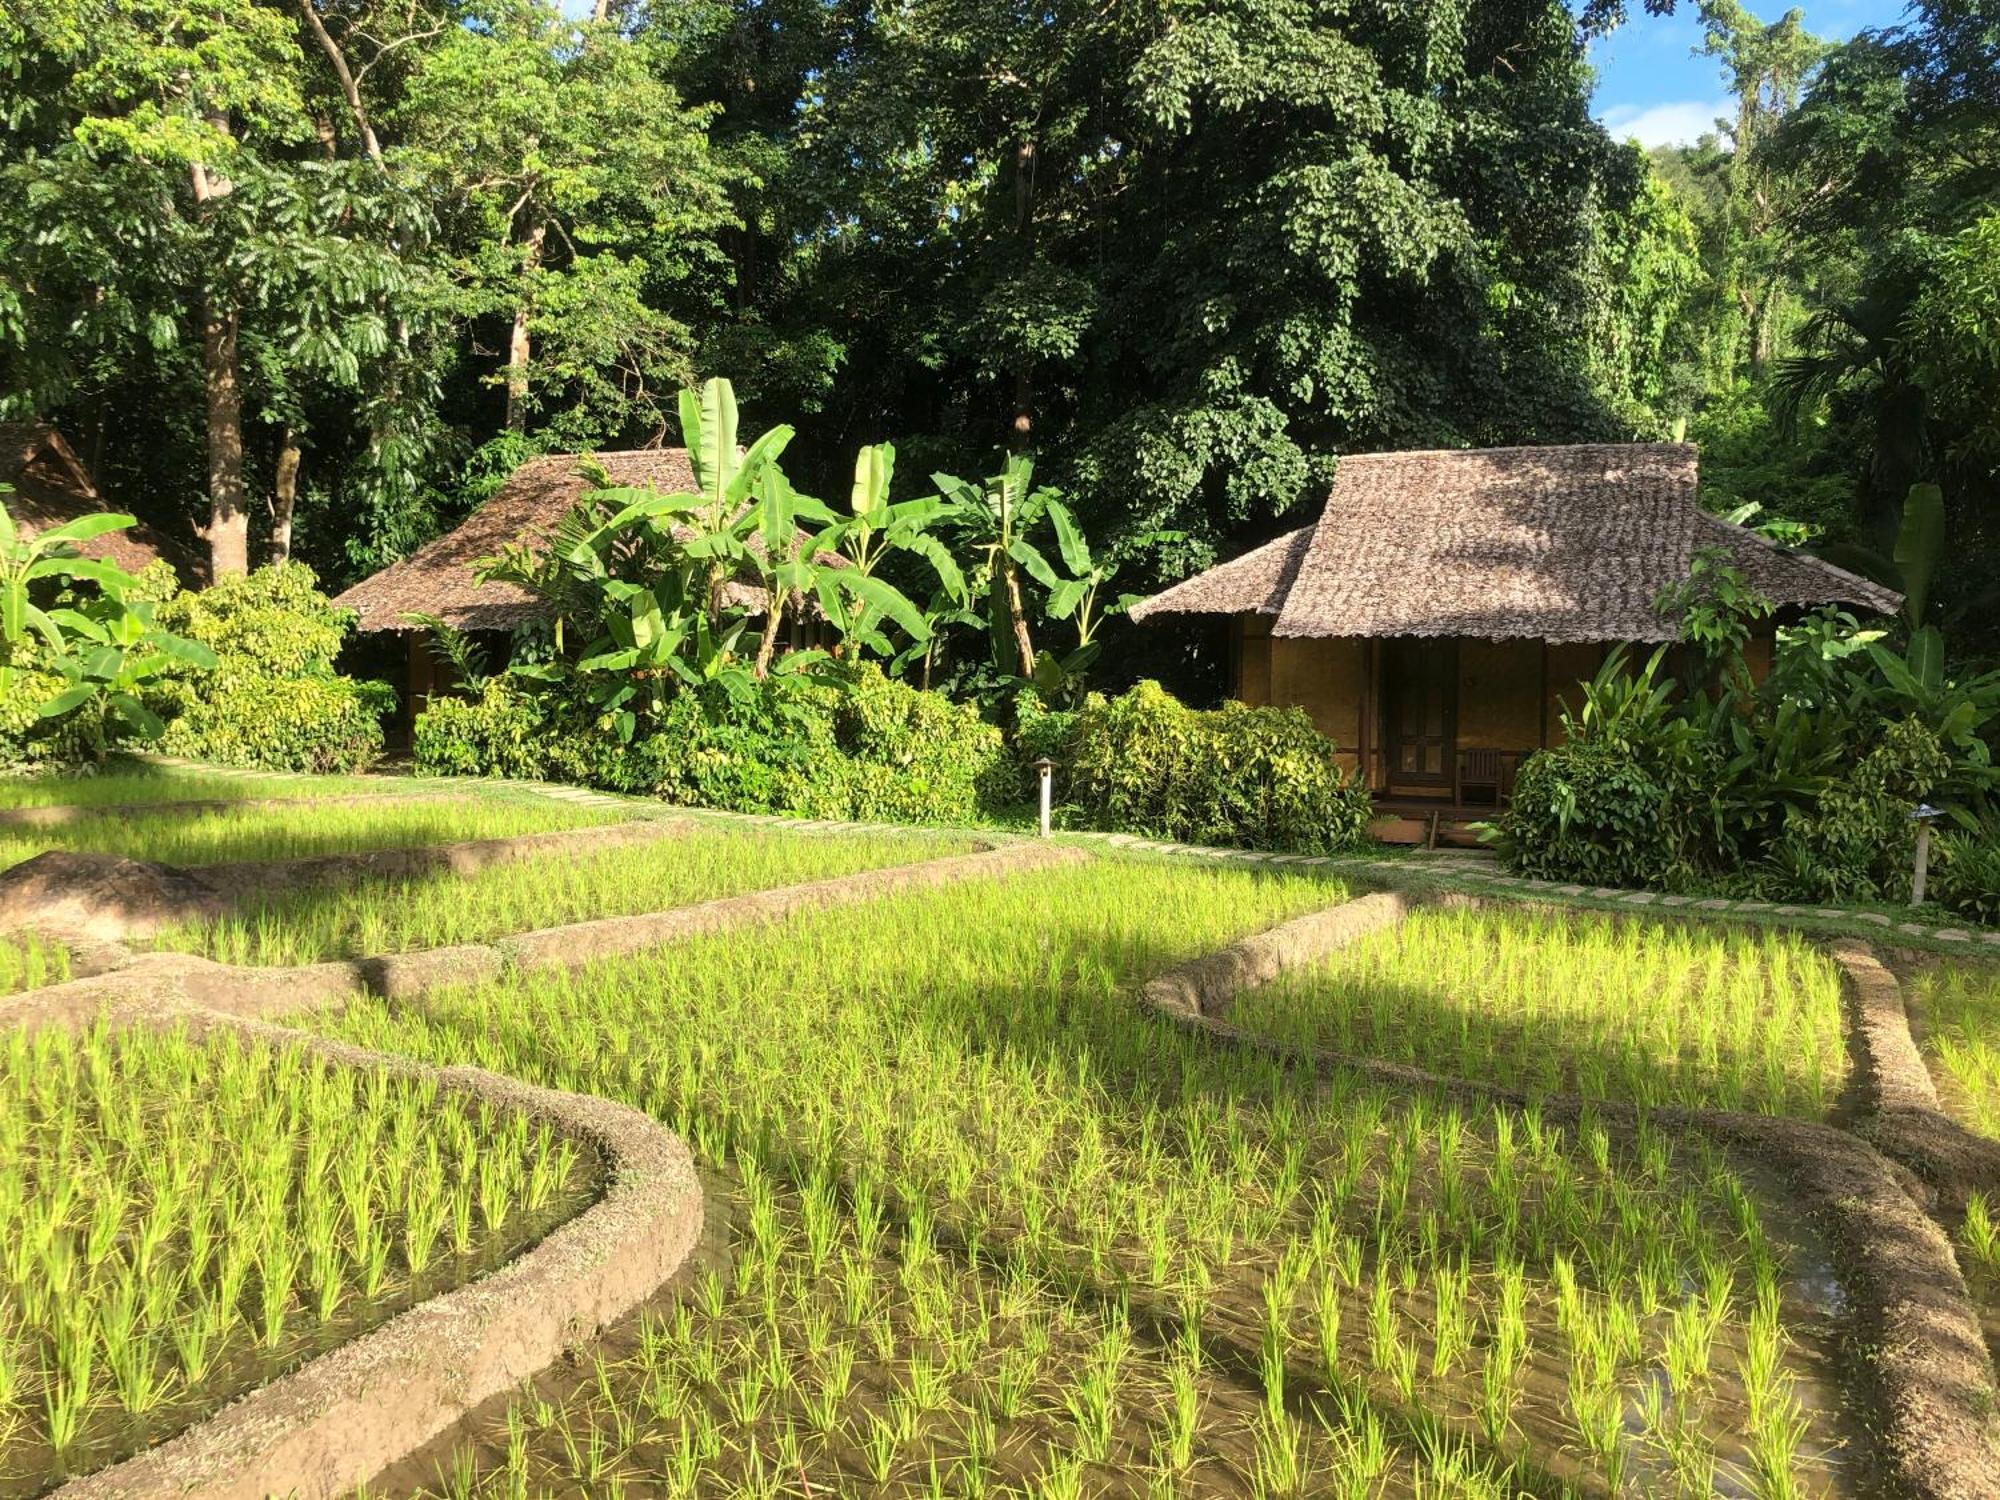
[
  {"x": 965, "y": 1164},
  {"x": 940, "y": 750}
]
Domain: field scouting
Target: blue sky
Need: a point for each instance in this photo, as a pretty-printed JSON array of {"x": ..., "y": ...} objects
[{"x": 1652, "y": 86}]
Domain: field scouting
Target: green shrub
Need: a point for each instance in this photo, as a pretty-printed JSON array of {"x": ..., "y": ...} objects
[
  {"x": 1591, "y": 813},
  {"x": 1856, "y": 841},
  {"x": 854, "y": 746},
  {"x": 499, "y": 733},
  {"x": 274, "y": 699},
  {"x": 27, "y": 740},
  {"x": 1966, "y": 878},
  {"x": 1264, "y": 778}
]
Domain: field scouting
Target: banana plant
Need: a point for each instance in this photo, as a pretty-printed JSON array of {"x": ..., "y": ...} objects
[
  {"x": 48, "y": 557},
  {"x": 725, "y": 477},
  {"x": 852, "y": 596},
  {"x": 996, "y": 517},
  {"x": 1074, "y": 597},
  {"x": 116, "y": 650}
]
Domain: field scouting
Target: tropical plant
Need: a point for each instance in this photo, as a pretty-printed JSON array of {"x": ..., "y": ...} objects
[
  {"x": 995, "y": 517},
  {"x": 664, "y": 584},
  {"x": 107, "y": 646}
]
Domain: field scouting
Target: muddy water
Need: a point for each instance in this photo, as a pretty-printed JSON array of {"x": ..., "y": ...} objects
[{"x": 29, "y": 1467}]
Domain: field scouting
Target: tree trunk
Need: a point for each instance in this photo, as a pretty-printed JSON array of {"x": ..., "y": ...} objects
[
  {"x": 1019, "y": 614},
  {"x": 518, "y": 350},
  {"x": 767, "y": 646},
  {"x": 1020, "y": 431},
  {"x": 228, "y": 518},
  {"x": 284, "y": 493}
]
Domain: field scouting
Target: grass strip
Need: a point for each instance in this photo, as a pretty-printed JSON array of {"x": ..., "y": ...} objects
[
  {"x": 993, "y": 1227},
  {"x": 1548, "y": 1000},
  {"x": 229, "y": 837},
  {"x": 188, "y": 1218},
  {"x": 395, "y": 916}
]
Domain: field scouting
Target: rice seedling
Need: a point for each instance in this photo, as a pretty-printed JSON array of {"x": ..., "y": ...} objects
[
  {"x": 140, "y": 785},
  {"x": 183, "y": 1219},
  {"x": 1580, "y": 1002},
  {"x": 28, "y": 960},
  {"x": 392, "y": 916},
  {"x": 1959, "y": 1007},
  {"x": 227, "y": 836},
  {"x": 954, "y": 1147}
]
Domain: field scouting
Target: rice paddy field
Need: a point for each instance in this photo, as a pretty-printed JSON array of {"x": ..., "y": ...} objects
[
  {"x": 393, "y": 916},
  {"x": 1550, "y": 1000},
  {"x": 980, "y": 1225},
  {"x": 1957, "y": 1006},
  {"x": 228, "y": 836},
  {"x": 140, "y": 785},
  {"x": 29, "y": 960},
  {"x": 184, "y": 1219}
]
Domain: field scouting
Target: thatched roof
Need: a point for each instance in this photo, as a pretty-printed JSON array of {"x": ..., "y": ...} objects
[
  {"x": 52, "y": 487},
  {"x": 437, "y": 578},
  {"x": 1557, "y": 544}
]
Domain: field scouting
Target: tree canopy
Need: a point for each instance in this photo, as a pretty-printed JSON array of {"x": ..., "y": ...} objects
[{"x": 314, "y": 274}]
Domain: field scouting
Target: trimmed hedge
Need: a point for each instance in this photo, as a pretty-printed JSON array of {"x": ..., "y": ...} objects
[
  {"x": 273, "y": 700},
  {"x": 1262, "y": 778}
]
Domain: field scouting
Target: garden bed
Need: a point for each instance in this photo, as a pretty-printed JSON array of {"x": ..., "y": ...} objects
[
  {"x": 990, "y": 1223},
  {"x": 1548, "y": 1001},
  {"x": 194, "y": 1216}
]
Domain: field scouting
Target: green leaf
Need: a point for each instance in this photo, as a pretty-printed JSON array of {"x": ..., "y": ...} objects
[
  {"x": 66, "y": 700},
  {"x": 885, "y": 597},
  {"x": 1069, "y": 539},
  {"x": 874, "y": 466},
  {"x": 1037, "y": 565},
  {"x": 83, "y": 528},
  {"x": 136, "y": 716},
  {"x": 1925, "y": 657},
  {"x": 1918, "y": 546}
]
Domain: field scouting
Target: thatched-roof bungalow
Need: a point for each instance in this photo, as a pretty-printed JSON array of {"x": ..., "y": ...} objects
[
  {"x": 51, "y": 487},
  {"x": 1432, "y": 615},
  {"x": 438, "y": 578}
]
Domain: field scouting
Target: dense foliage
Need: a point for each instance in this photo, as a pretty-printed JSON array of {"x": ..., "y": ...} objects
[
  {"x": 1264, "y": 778},
  {"x": 855, "y": 744},
  {"x": 270, "y": 696},
  {"x": 1800, "y": 788}
]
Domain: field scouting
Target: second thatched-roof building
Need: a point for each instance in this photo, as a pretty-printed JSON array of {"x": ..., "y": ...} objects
[{"x": 1435, "y": 611}]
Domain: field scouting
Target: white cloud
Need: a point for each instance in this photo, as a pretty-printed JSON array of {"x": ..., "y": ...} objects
[{"x": 1677, "y": 123}]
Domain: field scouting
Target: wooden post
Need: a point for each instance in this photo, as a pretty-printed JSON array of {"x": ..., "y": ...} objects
[{"x": 1047, "y": 769}]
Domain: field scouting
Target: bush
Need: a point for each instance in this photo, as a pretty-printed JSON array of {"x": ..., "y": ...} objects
[
  {"x": 499, "y": 733},
  {"x": 1592, "y": 814},
  {"x": 854, "y": 746},
  {"x": 274, "y": 699},
  {"x": 1966, "y": 878},
  {"x": 1263, "y": 778},
  {"x": 27, "y": 740}
]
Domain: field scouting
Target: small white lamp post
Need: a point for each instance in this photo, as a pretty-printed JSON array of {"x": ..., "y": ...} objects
[
  {"x": 1923, "y": 817},
  {"x": 1047, "y": 769}
]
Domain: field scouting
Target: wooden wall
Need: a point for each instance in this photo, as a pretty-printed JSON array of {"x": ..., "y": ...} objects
[{"x": 1509, "y": 692}]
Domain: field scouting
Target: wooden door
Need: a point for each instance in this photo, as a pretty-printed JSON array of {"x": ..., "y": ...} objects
[{"x": 1420, "y": 710}]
